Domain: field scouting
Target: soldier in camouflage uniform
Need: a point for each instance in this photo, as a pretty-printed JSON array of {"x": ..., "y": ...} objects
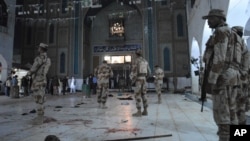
[
  {"x": 138, "y": 76},
  {"x": 242, "y": 97},
  {"x": 103, "y": 73},
  {"x": 158, "y": 81},
  {"x": 38, "y": 72},
  {"x": 223, "y": 73}
]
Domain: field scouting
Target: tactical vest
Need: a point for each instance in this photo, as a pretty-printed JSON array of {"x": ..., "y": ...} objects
[
  {"x": 142, "y": 67},
  {"x": 46, "y": 65}
]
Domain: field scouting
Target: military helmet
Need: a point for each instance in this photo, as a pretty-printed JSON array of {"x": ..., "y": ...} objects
[
  {"x": 215, "y": 12},
  {"x": 238, "y": 28},
  {"x": 138, "y": 52}
]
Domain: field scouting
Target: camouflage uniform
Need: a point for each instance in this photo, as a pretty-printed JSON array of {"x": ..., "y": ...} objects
[
  {"x": 140, "y": 84},
  {"x": 242, "y": 97},
  {"x": 103, "y": 73},
  {"x": 247, "y": 108},
  {"x": 158, "y": 81},
  {"x": 38, "y": 72},
  {"x": 223, "y": 77}
]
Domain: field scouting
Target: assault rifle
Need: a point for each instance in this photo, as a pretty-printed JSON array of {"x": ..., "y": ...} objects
[
  {"x": 205, "y": 81},
  {"x": 203, "y": 88}
]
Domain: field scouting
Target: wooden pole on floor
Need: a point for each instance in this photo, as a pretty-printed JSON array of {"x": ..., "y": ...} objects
[{"x": 141, "y": 138}]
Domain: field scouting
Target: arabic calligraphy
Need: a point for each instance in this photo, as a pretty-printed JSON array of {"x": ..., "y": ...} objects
[{"x": 116, "y": 48}]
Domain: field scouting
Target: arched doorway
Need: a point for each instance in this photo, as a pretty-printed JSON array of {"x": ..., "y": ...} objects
[
  {"x": 111, "y": 31},
  {"x": 195, "y": 66}
]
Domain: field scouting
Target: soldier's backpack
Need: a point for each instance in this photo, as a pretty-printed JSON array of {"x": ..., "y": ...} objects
[
  {"x": 235, "y": 48},
  {"x": 142, "y": 67}
]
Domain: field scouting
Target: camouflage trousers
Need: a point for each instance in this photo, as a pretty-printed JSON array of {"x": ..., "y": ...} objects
[
  {"x": 224, "y": 110},
  {"x": 242, "y": 99},
  {"x": 140, "y": 93},
  {"x": 158, "y": 87},
  {"x": 224, "y": 103},
  {"x": 39, "y": 97},
  {"x": 248, "y": 99},
  {"x": 102, "y": 91}
]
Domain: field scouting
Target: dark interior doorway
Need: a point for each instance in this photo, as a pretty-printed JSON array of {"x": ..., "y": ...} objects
[{"x": 121, "y": 76}]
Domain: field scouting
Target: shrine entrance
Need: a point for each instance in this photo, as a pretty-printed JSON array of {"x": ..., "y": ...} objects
[{"x": 121, "y": 69}]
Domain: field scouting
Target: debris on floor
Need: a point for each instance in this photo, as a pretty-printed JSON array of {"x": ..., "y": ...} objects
[
  {"x": 114, "y": 130},
  {"x": 76, "y": 106},
  {"x": 49, "y": 119},
  {"x": 76, "y": 122},
  {"x": 124, "y": 120},
  {"x": 141, "y": 138},
  {"x": 81, "y": 103},
  {"x": 33, "y": 111},
  {"x": 58, "y": 107},
  {"x": 110, "y": 95},
  {"x": 124, "y": 103},
  {"x": 57, "y": 110},
  {"x": 125, "y": 98}
]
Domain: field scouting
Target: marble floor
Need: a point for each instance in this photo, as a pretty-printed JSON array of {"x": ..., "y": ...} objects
[{"x": 73, "y": 117}]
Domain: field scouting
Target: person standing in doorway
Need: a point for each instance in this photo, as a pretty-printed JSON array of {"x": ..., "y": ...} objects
[
  {"x": 103, "y": 73},
  {"x": 38, "y": 72},
  {"x": 14, "y": 89},
  {"x": 64, "y": 84},
  {"x": 14, "y": 81},
  {"x": 24, "y": 85},
  {"x": 94, "y": 84},
  {"x": 7, "y": 86},
  {"x": 55, "y": 84},
  {"x": 50, "y": 86},
  {"x": 158, "y": 81},
  {"x": 117, "y": 81},
  {"x": 90, "y": 84},
  {"x": 139, "y": 71}
]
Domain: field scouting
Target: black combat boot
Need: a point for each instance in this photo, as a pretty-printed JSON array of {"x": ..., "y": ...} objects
[
  {"x": 159, "y": 99},
  {"x": 104, "y": 106},
  {"x": 145, "y": 112},
  {"x": 137, "y": 114}
]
